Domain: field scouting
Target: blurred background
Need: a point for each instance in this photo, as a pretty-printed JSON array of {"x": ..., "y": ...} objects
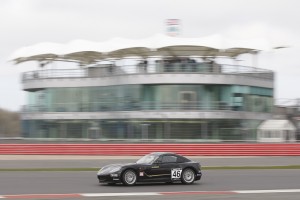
[{"x": 171, "y": 95}]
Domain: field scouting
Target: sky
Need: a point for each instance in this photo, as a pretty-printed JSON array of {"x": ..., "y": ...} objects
[{"x": 28, "y": 22}]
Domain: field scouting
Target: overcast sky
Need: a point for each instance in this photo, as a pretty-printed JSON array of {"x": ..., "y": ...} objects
[{"x": 27, "y": 22}]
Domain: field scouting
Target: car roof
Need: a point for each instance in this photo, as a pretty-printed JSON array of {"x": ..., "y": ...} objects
[{"x": 163, "y": 153}]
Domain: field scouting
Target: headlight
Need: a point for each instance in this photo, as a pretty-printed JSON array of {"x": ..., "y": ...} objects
[
  {"x": 114, "y": 169},
  {"x": 108, "y": 170},
  {"x": 99, "y": 172}
]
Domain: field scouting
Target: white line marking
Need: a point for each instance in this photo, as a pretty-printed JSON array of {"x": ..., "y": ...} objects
[
  {"x": 119, "y": 194},
  {"x": 266, "y": 191},
  {"x": 157, "y": 193}
]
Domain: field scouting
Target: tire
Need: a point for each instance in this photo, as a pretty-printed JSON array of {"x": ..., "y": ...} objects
[
  {"x": 188, "y": 176},
  {"x": 129, "y": 177}
]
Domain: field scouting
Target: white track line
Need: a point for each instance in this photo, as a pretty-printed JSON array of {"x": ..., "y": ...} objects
[
  {"x": 266, "y": 191},
  {"x": 192, "y": 192},
  {"x": 224, "y": 192},
  {"x": 119, "y": 194}
]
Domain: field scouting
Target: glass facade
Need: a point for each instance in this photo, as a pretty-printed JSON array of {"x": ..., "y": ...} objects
[
  {"x": 151, "y": 97},
  {"x": 168, "y": 97}
]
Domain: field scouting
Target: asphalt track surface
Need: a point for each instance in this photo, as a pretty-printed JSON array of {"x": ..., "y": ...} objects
[
  {"x": 213, "y": 180},
  {"x": 86, "y": 182}
]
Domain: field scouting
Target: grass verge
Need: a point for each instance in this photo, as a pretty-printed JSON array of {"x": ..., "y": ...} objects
[{"x": 96, "y": 169}]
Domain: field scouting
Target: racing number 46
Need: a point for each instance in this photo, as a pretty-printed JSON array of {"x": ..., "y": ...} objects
[{"x": 176, "y": 173}]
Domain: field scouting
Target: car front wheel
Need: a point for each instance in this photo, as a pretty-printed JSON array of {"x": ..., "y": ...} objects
[
  {"x": 129, "y": 177},
  {"x": 188, "y": 176}
]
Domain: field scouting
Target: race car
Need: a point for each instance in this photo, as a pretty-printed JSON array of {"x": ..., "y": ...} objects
[{"x": 154, "y": 167}]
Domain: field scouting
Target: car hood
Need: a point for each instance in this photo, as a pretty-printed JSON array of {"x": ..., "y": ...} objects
[
  {"x": 112, "y": 168},
  {"x": 118, "y": 165}
]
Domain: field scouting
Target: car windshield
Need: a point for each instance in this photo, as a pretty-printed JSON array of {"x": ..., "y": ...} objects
[{"x": 147, "y": 159}]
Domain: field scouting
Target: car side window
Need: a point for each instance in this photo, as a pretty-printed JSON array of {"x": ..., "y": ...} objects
[
  {"x": 158, "y": 160},
  {"x": 169, "y": 159},
  {"x": 181, "y": 159}
]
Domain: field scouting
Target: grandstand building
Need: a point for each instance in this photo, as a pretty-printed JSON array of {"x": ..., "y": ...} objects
[{"x": 159, "y": 88}]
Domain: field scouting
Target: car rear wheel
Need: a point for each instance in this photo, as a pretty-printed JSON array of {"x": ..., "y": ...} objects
[
  {"x": 129, "y": 177},
  {"x": 188, "y": 176}
]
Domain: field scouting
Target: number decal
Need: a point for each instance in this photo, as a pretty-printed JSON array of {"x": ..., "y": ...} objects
[{"x": 176, "y": 173}]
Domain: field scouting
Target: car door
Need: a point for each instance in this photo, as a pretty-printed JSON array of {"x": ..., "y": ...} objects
[
  {"x": 170, "y": 168},
  {"x": 161, "y": 169},
  {"x": 153, "y": 172}
]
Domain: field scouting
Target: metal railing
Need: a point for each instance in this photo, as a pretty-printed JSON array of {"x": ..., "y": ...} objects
[
  {"x": 175, "y": 68},
  {"x": 136, "y": 106}
]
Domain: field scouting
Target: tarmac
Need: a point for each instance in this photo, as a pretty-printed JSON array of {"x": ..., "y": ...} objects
[{"x": 57, "y": 161}]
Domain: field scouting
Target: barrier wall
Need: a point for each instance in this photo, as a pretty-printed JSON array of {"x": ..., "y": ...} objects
[{"x": 142, "y": 149}]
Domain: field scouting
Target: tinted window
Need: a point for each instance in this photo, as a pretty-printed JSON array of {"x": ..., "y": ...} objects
[
  {"x": 169, "y": 159},
  {"x": 147, "y": 159},
  {"x": 181, "y": 159}
]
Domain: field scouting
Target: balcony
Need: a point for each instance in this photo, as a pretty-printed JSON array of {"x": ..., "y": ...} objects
[
  {"x": 142, "y": 106},
  {"x": 171, "y": 68}
]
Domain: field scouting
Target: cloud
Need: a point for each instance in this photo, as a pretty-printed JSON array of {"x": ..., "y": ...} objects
[{"x": 29, "y": 22}]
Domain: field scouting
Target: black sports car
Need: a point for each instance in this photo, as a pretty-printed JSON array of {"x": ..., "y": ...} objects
[{"x": 154, "y": 167}]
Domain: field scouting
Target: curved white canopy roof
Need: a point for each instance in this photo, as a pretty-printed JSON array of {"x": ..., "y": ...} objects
[
  {"x": 157, "y": 45},
  {"x": 276, "y": 124}
]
